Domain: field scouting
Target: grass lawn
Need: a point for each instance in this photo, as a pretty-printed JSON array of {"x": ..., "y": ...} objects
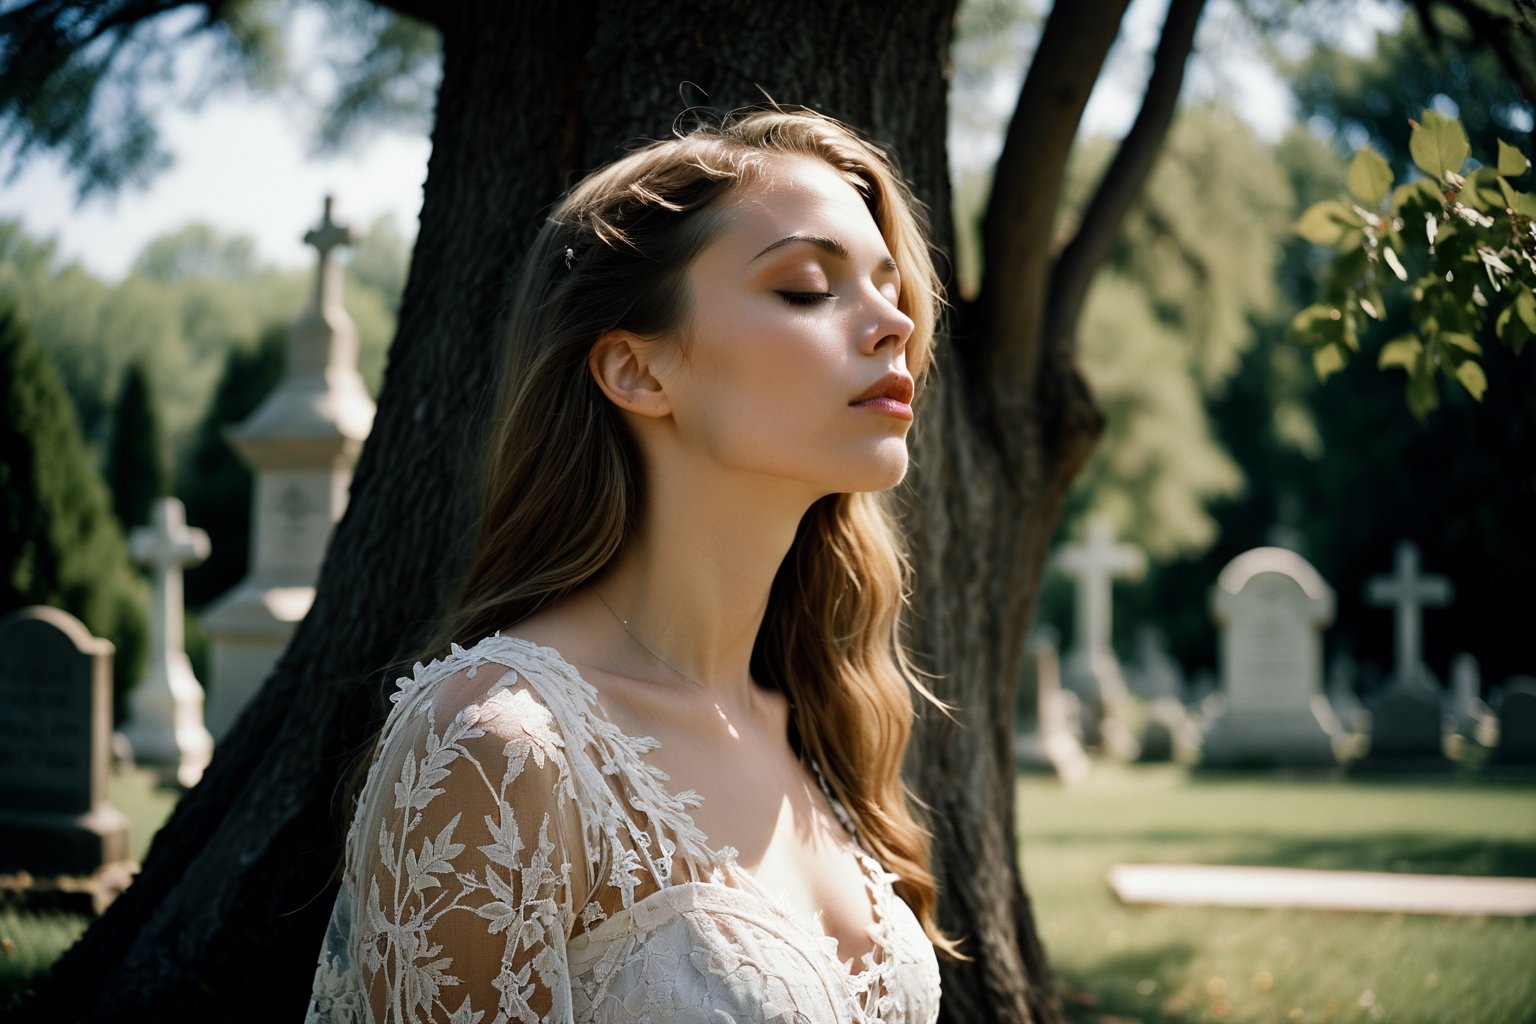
[{"x": 1180, "y": 965}]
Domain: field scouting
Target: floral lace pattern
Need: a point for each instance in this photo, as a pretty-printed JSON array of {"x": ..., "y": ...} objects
[{"x": 514, "y": 858}]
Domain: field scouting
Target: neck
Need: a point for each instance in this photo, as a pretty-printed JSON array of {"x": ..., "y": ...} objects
[{"x": 690, "y": 591}]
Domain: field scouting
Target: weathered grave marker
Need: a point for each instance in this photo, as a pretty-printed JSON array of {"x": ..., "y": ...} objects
[
  {"x": 1271, "y": 607},
  {"x": 1045, "y": 737},
  {"x": 56, "y": 821},
  {"x": 1516, "y": 749}
]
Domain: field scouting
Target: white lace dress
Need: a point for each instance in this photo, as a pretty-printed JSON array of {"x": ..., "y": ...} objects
[{"x": 514, "y": 858}]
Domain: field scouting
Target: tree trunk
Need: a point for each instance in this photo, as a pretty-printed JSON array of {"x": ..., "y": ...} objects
[{"x": 226, "y": 919}]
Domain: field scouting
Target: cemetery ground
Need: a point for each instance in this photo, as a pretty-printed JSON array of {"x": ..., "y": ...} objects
[{"x": 1182, "y": 965}]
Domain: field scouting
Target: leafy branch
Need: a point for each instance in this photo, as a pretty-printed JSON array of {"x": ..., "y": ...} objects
[{"x": 1461, "y": 246}]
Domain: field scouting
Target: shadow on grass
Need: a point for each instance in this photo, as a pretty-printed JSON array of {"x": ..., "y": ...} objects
[{"x": 1128, "y": 986}]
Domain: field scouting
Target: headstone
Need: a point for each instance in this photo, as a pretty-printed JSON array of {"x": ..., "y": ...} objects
[
  {"x": 1271, "y": 607},
  {"x": 1409, "y": 592},
  {"x": 1516, "y": 749},
  {"x": 1407, "y": 732},
  {"x": 165, "y": 724},
  {"x": 302, "y": 443},
  {"x": 1091, "y": 670},
  {"x": 1468, "y": 719},
  {"x": 1045, "y": 733},
  {"x": 1167, "y": 733},
  {"x": 59, "y": 832}
]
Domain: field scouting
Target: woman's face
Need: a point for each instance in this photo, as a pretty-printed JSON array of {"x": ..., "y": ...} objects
[{"x": 792, "y": 361}]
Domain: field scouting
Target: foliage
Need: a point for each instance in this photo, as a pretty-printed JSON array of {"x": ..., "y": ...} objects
[
  {"x": 137, "y": 468},
  {"x": 193, "y": 295},
  {"x": 1453, "y": 230},
  {"x": 1167, "y": 324},
  {"x": 59, "y": 544},
  {"x": 88, "y": 80}
]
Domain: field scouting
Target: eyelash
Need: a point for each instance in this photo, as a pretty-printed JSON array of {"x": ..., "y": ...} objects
[{"x": 805, "y": 298}]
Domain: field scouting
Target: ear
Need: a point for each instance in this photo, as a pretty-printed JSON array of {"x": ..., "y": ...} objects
[{"x": 618, "y": 363}]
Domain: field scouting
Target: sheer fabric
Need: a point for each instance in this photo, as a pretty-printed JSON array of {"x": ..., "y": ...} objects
[{"x": 514, "y": 858}]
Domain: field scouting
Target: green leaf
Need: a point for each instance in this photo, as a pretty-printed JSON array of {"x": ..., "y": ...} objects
[
  {"x": 1472, "y": 377},
  {"x": 1465, "y": 342},
  {"x": 1525, "y": 309},
  {"x": 1520, "y": 202},
  {"x": 1438, "y": 144},
  {"x": 1423, "y": 394},
  {"x": 1324, "y": 223},
  {"x": 1318, "y": 324},
  {"x": 1512, "y": 162},
  {"x": 1370, "y": 177},
  {"x": 1402, "y": 352},
  {"x": 1482, "y": 191},
  {"x": 1327, "y": 360}
]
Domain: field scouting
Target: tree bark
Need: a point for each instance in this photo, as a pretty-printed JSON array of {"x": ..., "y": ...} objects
[{"x": 226, "y": 919}]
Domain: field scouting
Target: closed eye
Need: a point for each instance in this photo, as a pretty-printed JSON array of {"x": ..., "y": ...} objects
[{"x": 806, "y": 298}]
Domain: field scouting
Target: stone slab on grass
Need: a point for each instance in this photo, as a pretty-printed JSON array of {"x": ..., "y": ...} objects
[{"x": 1384, "y": 892}]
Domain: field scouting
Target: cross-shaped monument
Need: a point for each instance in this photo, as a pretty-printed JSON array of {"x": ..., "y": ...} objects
[
  {"x": 301, "y": 443},
  {"x": 1091, "y": 669},
  {"x": 1410, "y": 593},
  {"x": 1093, "y": 565},
  {"x": 326, "y": 239},
  {"x": 165, "y": 726}
]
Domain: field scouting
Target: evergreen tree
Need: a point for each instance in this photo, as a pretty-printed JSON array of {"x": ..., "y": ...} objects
[
  {"x": 136, "y": 467},
  {"x": 59, "y": 544}
]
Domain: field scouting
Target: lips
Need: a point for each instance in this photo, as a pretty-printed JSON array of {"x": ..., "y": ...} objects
[{"x": 895, "y": 386}]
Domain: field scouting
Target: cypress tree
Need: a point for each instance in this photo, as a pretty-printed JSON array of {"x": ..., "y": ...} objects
[
  {"x": 59, "y": 542},
  {"x": 136, "y": 467}
]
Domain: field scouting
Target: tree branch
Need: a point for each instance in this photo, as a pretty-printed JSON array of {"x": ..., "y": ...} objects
[
  {"x": 1124, "y": 178},
  {"x": 1494, "y": 30},
  {"x": 1026, "y": 186},
  {"x": 432, "y": 12}
]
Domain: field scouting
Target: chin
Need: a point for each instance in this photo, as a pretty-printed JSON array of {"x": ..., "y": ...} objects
[{"x": 881, "y": 473}]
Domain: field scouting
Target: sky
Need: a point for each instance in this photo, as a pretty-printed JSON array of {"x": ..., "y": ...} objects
[{"x": 242, "y": 163}]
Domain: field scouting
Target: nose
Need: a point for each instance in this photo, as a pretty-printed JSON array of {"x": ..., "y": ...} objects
[{"x": 889, "y": 326}]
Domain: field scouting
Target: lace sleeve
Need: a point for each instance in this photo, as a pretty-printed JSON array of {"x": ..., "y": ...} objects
[{"x": 467, "y": 878}]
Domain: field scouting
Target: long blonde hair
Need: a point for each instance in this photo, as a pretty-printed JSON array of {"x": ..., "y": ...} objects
[{"x": 562, "y": 486}]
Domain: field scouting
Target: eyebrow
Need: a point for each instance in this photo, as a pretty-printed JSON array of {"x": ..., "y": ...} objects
[{"x": 830, "y": 245}]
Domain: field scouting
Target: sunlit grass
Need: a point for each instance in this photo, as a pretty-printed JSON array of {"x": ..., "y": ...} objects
[{"x": 1179, "y": 965}]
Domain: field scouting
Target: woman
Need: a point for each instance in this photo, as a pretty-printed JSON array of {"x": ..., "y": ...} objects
[{"x": 667, "y": 787}]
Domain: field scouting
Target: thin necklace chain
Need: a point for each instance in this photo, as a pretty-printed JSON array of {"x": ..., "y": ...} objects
[{"x": 642, "y": 644}]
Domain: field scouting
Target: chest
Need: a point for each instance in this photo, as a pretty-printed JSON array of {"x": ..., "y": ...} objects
[{"x": 760, "y": 800}]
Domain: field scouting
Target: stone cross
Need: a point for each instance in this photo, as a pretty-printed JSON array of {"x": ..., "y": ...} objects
[
  {"x": 166, "y": 724},
  {"x": 1410, "y": 593},
  {"x": 1093, "y": 564},
  {"x": 326, "y": 239}
]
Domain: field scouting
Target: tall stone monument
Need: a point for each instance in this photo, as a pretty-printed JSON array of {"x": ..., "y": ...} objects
[
  {"x": 302, "y": 444},
  {"x": 1271, "y": 607},
  {"x": 1091, "y": 669},
  {"x": 165, "y": 722}
]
